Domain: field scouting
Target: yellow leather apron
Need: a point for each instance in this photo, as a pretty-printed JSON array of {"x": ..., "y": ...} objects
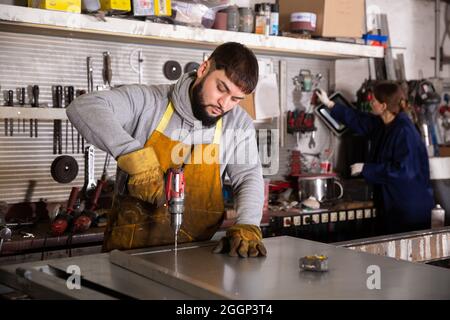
[{"x": 135, "y": 224}]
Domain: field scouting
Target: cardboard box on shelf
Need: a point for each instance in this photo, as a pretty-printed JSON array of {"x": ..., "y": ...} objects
[
  {"x": 116, "y": 5},
  {"x": 248, "y": 104},
  {"x": 58, "y": 5},
  {"x": 335, "y": 18}
]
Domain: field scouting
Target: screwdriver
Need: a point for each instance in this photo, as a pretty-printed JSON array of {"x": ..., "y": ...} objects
[
  {"x": 57, "y": 135},
  {"x": 22, "y": 103},
  {"x": 10, "y": 102},
  {"x": 35, "y": 92},
  {"x": 69, "y": 93}
]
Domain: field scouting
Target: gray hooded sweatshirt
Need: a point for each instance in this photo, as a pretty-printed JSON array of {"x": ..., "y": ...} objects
[{"x": 121, "y": 120}]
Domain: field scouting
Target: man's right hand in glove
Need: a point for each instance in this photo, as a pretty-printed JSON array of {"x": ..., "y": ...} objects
[
  {"x": 146, "y": 180},
  {"x": 323, "y": 97}
]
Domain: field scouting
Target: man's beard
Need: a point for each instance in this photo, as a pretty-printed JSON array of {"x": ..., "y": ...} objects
[{"x": 199, "y": 106}]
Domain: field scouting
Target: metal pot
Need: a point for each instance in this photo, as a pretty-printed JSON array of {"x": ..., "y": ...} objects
[{"x": 321, "y": 187}]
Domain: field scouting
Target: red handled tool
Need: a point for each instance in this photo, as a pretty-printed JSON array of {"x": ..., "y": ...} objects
[
  {"x": 85, "y": 219},
  {"x": 64, "y": 218},
  {"x": 175, "y": 196}
]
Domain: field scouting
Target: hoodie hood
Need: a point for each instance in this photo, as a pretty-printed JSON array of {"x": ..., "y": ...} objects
[{"x": 181, "y": 100}]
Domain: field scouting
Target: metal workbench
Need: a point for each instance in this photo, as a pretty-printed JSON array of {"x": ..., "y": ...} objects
[{"x": 201, "y": 274}]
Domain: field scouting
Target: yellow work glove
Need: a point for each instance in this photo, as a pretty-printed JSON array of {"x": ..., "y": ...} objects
[
  {"x": 242, "y": 239},
  {"x": 146, "y": 180}
]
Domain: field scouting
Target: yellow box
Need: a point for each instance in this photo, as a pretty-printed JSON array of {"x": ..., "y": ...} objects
[
  {"x": 58, "y": 5},
  {"x": 115, "y": 5},
  {"x": 163, "y": 8},
  {"x": 152, "y": 8}
]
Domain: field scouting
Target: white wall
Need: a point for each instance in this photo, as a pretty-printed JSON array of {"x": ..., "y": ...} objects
[{"x": 411, "y": 27}]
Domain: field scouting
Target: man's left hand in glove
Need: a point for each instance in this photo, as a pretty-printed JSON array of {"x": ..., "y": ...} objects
[{"x": 244, "y": 240}]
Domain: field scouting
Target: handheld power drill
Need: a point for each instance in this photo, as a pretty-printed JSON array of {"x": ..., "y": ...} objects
[{"x": 175, "y": 197}]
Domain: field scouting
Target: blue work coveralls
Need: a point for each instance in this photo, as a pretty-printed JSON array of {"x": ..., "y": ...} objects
[{"x": 397, "y": 167}]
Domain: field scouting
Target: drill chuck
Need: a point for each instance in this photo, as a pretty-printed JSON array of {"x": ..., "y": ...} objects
[{"x": 176, "y": 209}]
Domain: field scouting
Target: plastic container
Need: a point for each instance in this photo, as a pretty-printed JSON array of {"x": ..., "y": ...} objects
[
  {"x": 220, "y": 21},
  {"x": 246, "y": 20},
  {"x": 260, "y": 19},
  {"x": 233, "y": 18},
  {"x": 437, "y": 217},
  {"x": 274, "y": 19},
  {"x": 303, "y": 22},
  {"x": 266, "y": 9}
]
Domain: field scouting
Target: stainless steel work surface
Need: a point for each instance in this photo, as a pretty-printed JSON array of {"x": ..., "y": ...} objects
[
  {"x": 278, "y": 275},
  {"x": 97, "y": 273}
]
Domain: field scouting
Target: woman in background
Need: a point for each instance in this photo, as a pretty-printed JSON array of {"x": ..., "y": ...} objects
[{"x": 397, "y": 165}]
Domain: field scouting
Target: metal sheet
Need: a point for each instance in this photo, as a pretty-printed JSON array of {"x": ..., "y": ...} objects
[
  {"x": 105, "y": 277},
  {"x": 278, "y": 275},
  {"x": 275, "y": 277}
]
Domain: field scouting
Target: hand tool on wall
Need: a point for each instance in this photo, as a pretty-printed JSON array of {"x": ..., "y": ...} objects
[
  {"x": 78, "y": 93},
  {"x": 73, "y": 144},
  {"x": 140, "y": 60},
  {"x": 10, "y": 98},
  {"x": 19, "y": 104},
  {"x": 89, "y": 171},
  {"x": 69, "y": 94},
  {"x": 82, "y": 142},
  {"x": 21, "y": 98},
  {"x": 90, "y": 74},
  {"x": 107, "y": 71},
  {"x": 266, "y": 158},
  {"x": 6, "y": 122},
  {"x": 35, "y": 93},
  {"x": 78, "y": 143},
  {"x": 9, "y": 123},
  {"x": 175, "y": 197},
  {"x": 57, "y": 124},
  {"x": 299, "y": 120}
]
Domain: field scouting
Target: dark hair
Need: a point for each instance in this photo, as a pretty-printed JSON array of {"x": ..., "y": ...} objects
[
  {"x": 239, "y": 63},
  {"x": 392, "y": 94}
]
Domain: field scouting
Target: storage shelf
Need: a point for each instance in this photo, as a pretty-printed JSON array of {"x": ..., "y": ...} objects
[
  {"x": 31, "y": 20},
  {"x": 32, "y": 113}
]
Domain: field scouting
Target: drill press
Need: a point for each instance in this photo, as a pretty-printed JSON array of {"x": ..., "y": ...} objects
[{"x": 175, "y": 197}]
